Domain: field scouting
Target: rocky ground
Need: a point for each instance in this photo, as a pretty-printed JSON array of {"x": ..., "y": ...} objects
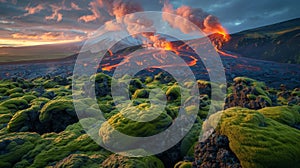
[{"x": 272, "y": 73}]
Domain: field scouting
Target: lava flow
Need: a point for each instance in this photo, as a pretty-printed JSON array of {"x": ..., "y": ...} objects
[
  {"x": 218, "y": 40},
  {"x": 168, "y": 46}
]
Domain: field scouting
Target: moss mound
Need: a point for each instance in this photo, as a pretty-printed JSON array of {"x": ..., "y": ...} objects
[
  {"x": 259, "y": 141},
  {"x": 125, "y": 162},
  {"x": 24, "y": 120},
  {"x": 133, "y": 127},
  {"x": 56, "y": 115},
  {"x": 15, "y": 104}
]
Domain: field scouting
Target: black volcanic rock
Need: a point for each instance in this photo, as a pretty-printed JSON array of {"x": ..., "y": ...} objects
[
  {"x": 248, "y": 93},
  {"x": 215, "y": 152}
]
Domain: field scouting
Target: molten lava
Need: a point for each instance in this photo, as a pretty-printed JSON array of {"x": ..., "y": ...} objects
[
  {"x": 169, "y": 47},
  {"x": 110, "y": 52},
  {"x": 219, "y": 38}
]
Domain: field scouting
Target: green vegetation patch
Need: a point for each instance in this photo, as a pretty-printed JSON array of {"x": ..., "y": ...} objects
[
  {"x": 126, "y": 162},
  {"x": 259, "y": 141},
  {"x": 283, "y": 114}
]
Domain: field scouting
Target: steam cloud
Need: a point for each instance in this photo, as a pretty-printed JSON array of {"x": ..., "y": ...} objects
[{"x": 207, "y": 23}]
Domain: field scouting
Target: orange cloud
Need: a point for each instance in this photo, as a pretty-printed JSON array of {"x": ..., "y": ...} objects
[
  {"x": 87, "y": 18},
  {"x": 75, "y": 6},
  {"x": 96, "y": 13},
  {"x": 55, "y": 15},
  {"x": 33, "y": 10}
]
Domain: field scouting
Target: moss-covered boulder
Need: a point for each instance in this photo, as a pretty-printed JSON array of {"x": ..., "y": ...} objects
[
  {"x": 163, "y": 78},
  {"x": 24, "y": 120},
  {"x": 141, "y": 93},
  {"x": 126, "y": 162},
  {"x": 134, "y": 85},
  {"x": 102, "y": 84},
  {"x": 173, "y": 93},
  {"x": 119, "y": 122},
  {"x": 56, "y": 115},
  {"x": 15, "y": 104},
  {"x": 259, "y": 141}
]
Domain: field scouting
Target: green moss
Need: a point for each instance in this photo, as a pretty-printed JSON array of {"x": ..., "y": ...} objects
[
  {"x": 15, "y": 90},
  {"x": 134, "y": 128},
  {"x": 251, "y": 96},
  {"x": 13, "y": 95},
  {"x": 59, "y": 146},
  {"x": 172, "y": 111},
  {"x": 49, "y": 84},
  {"x": 126, "y": 162},
  {"x": 183, "y": 164},
  {"x": 22, "y": 120},
  {"x": 260, "y": 91},
  {"x": 267, "y": 99},
  {"x": 16, "y": 145},
  {"x": 100, "y": 77},
  {"x": 282, "y": 101},
  {"x": 29, "y": 98},
  {"x": 244, "y": 80},
  {"x": 15, "y": 104},
  {"x": 249, "y": 82},
  {"x": 60, "y": 91},
  {"x": 56, "y": 107},
  {"x": 5, "y": 118},
  {"x": 283, "y": 114},
  {"x": 57, "y": 114},
  {"x": 4, "y": 110},
  {"x": 173, "y": 93},
  {"x": 296, "y": 92},
  {"x": 190, "y": 139},
  {"x": 141, "y": 93},
  {"x": 106, "y": 107},
  {"x": 229, "y": 91},
  {"x": 82, "y": 160},
  {"x": 148, "y": 79},
  {"x": 3, "y": 90},
  {"x": 258, "y": 141}
]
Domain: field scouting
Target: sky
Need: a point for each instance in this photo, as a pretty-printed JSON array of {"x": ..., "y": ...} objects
[{"x": 36, "y": 22}]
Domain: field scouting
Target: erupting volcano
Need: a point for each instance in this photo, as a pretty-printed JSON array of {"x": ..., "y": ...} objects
[{"x": 143, "y": 28}]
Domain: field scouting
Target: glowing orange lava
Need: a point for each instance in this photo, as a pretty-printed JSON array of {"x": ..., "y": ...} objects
[
  {"x": 219, "y": 39},
  {"x": 225, "y": 53},
  {"x": 110, "y": 52},
  {"x": 169, "y": 47}
]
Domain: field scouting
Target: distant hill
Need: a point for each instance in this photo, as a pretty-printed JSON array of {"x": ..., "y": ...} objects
[{"x": 279, "y": 42}]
